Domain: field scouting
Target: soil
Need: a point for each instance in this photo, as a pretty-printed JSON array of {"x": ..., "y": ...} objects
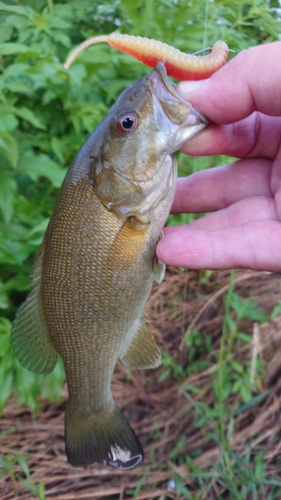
[{"x": 166, "y": 406}]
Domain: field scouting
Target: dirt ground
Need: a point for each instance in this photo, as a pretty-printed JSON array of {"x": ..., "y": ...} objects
[{"x": 160, "y": 412}]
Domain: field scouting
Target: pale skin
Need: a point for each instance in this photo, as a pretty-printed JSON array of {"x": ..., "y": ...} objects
[{"x": 243, "y": 230}]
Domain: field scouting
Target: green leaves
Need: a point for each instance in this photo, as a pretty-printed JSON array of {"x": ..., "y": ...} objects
[
  {"x": 29, "y": 116},
  {"x": 248, "y": 309},
  {"x": 8, "y": 189},
  {"x": 46, "y": 112},
  {"x": 9, "y": 148},
  {"x": 13, "y": 48},
  {"x": 36, "y": 166}
]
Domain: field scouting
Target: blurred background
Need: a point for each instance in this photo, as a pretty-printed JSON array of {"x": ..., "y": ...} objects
[{"x": 209, "y": 417}]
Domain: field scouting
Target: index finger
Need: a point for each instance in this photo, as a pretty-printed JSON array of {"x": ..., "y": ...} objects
[
  {"x": 220, "y": 187},
  {"x": 249, "y": 82}
]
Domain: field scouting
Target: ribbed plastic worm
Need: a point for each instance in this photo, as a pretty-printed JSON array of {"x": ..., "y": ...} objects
[{"x": 178, "y": 64}]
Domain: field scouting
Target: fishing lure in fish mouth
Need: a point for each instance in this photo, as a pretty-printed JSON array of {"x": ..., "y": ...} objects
[{"x": 178, "y": 64}]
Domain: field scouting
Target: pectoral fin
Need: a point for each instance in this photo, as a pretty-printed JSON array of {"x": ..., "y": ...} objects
[
  {"x": 142, "y": 352},
  {"x": 129, "y": 242},
  {"x": 30, "y": 337},
  {"x": 159, "y": 267}
]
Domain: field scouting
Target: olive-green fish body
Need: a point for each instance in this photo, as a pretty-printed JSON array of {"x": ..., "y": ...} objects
[{"x": 97, "y": 263}]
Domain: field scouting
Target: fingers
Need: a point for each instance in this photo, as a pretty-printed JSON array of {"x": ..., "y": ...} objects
[
  {"x": 257, "y": 135},
  {"x": 244, "y": 211},
  {"x": 236, "y": 247},
  {"x": 244, "y": 233},
  {"x": 219, "y": 187},
  {"x": 249, "y": 82}
]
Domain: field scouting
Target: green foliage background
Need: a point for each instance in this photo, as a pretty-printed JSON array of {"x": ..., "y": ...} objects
[{"x": 46, "y": 113}]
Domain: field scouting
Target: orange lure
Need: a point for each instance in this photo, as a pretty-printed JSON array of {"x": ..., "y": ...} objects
[{"x": 178, "y": 64}]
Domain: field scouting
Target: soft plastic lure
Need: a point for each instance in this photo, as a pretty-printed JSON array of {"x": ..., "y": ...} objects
[{"x": 178, "y": 64}]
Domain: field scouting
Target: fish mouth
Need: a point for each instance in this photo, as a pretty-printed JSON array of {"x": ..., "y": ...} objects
[
  {"x": 158, "y": 83},
  {"x": 166, "y": 90}
]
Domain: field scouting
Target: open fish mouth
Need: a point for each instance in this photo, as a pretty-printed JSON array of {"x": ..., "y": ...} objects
[
  {"x": 164, "y": 89},
  {"x": 162, "y": 83}
]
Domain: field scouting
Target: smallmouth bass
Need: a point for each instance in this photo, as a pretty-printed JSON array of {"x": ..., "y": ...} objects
[{"x": 97, "y": 263}]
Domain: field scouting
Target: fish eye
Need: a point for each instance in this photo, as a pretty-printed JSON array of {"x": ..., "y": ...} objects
[{"x": 126, "y": 122}]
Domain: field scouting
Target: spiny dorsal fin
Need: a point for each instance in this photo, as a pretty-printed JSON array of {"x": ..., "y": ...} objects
[
  {"x": 30, "y": 337},
  {"x": 142, "y": 352}
]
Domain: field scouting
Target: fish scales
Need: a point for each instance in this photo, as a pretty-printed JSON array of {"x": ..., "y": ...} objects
[
  {"x": 98, "y": 287},
  {"x": 97, "y": 264}
]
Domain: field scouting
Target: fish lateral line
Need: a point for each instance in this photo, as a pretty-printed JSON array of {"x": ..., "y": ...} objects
[{"x": 178, "y": 64}]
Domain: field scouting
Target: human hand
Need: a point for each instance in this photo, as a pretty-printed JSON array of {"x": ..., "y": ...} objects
[{"x": 243, "y": 101}]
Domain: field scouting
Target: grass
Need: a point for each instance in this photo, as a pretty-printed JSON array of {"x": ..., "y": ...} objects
[
  {"x": 240, "y": 476},
  {"x": 206, "y": 418},
  {"x": 16, "y": 468}
]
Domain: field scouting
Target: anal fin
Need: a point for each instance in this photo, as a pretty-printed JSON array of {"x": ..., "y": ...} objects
[
  {"x": 142, "y": 352},
  {"x": 30, "y": 338}
]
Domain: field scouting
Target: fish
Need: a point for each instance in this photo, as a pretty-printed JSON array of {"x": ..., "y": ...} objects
[{"x": 97, "y": 263}]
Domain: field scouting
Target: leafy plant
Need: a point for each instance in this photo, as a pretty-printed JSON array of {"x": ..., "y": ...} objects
[
  {"x": 46, "y": 113},
  {"x": 9, "y": 463}
]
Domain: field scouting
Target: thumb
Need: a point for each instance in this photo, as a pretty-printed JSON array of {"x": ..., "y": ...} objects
[{"x": 249, "y": 82}]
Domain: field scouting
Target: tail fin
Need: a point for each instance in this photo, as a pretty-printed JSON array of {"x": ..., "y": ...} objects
[{"x": 109, "y": 440}]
